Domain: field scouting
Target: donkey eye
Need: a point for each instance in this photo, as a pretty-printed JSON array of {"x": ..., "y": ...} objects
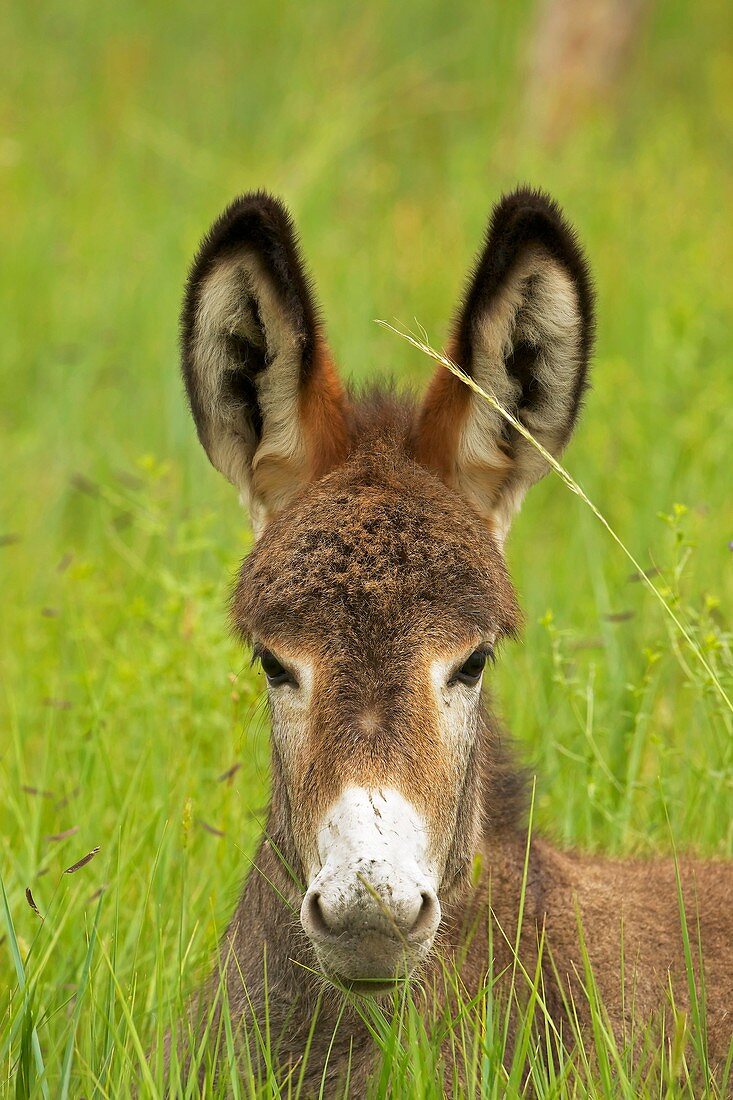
[
  {"x": 471, "y": 669},
  {"x": 275, "y": 672}
]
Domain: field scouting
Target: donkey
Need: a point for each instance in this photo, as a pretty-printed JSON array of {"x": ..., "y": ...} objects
[{"x": 375, "y": 597}]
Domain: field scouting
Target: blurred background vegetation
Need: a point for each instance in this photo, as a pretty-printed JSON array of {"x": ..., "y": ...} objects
[{"x": 389, "y": 129}]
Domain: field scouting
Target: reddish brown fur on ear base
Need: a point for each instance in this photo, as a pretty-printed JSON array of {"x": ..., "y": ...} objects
[
  {"x": 437, "y": 432},
  {"x": 322, "y": 403}
]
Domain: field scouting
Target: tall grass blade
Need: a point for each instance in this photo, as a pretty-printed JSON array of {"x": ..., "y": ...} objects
[
  {"x": 81, "y": 990},
  {"x": 20, "y": 974}
]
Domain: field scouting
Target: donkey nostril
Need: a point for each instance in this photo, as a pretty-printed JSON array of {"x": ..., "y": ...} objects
[
  {"x": 428, "y": 917},
  {"x": 313, "y": 915}
]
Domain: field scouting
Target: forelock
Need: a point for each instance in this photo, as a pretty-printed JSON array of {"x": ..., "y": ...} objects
[{"x": 379, "y": 545}]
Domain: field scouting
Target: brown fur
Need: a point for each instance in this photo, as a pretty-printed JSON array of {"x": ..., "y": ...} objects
[
  {"x": 442, "y": 419},
  {"x": 375, "y": 565},
  {"x": 323, "y": 414}
]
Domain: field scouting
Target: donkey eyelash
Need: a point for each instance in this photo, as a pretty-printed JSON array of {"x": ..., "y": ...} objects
[
  {"x": 276, "y": 673},
  {"x": 487, "y": 650},
  {"x": 470, "y": 670}
]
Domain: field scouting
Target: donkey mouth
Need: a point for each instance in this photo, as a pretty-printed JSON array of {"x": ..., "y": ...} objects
[
  {"x": 377, "y": 984},
  {"x": 373, "y": 987},
  {"x": 370, "y": 965}
]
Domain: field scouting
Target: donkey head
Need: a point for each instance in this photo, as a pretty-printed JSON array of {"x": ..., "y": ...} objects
[{"x": 377, "y": 591}]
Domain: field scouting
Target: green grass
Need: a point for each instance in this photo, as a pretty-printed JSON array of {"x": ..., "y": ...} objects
[{"x": 390, "y": 130}]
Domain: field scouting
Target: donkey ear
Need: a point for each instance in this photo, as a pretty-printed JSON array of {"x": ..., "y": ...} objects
[
  {"x": 268, "y": 406},
  {"x": 524, "y": 334}
]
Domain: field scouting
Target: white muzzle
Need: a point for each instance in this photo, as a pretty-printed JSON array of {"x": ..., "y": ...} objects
[{"x": 371, "y": 910}]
